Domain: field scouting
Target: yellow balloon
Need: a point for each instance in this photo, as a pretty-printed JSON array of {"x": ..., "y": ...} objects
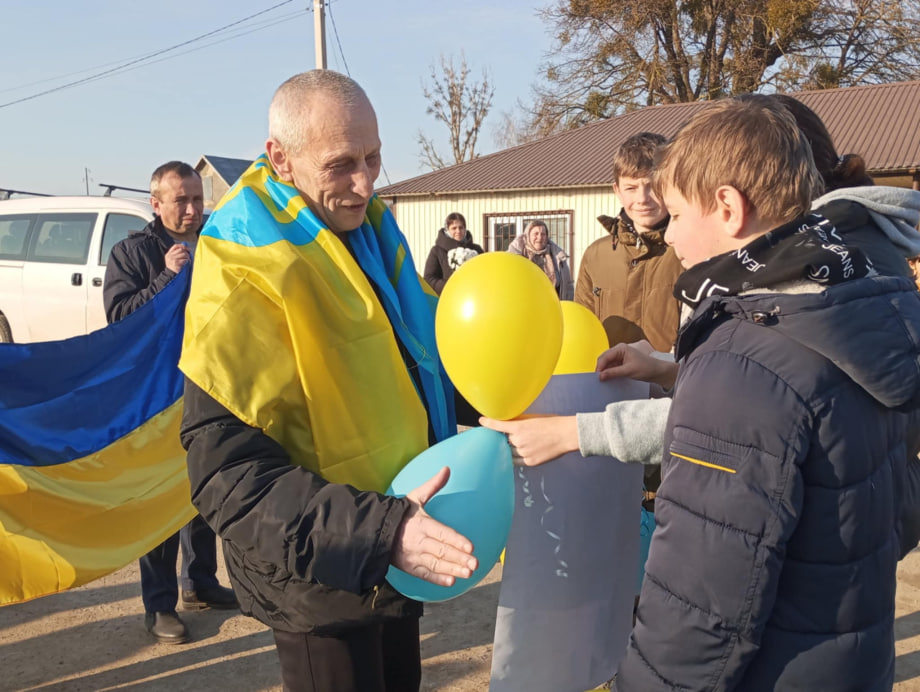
[
  {"x": 499, "y": 332},
  {"x": 583, "y": 340}
]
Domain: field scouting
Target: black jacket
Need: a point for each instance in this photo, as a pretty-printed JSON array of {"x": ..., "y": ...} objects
[
  {"x": 773, "y": 566},
  {"x": 443, "y": 260},
  {"x": 136, "y": 270},
  {"x": 303, "y": 555}
]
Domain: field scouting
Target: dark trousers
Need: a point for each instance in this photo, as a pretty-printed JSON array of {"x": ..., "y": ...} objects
[
  {"x": 159, "y": 585},
  {"x": 379, "y": 658}
]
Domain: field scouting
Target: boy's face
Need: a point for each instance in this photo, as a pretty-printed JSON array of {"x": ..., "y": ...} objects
[
  {"x": 695, "y": 236},
  {"x": 642, "y": 205}
]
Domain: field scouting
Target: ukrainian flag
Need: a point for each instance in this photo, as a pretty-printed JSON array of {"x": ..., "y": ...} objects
[{"x": 92, "y": 475}]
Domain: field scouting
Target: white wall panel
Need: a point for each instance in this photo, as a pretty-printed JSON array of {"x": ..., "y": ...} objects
[{"x": 421, "y": 217}]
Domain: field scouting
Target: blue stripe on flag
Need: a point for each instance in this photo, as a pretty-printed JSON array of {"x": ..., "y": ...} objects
[{"x": 63, "y": 400}]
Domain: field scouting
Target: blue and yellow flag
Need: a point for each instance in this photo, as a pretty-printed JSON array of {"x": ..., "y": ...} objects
[
  {"x": 92, "y": 475},
  {"x": 291, "y": 328}
]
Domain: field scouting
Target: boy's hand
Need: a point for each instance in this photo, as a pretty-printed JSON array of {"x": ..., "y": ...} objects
[
  {"x": 535, "y": 440},
  {"x": 626, "y": 360}
]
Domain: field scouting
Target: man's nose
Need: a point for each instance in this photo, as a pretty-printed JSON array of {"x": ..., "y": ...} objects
[{"x": 362, "y": 182}]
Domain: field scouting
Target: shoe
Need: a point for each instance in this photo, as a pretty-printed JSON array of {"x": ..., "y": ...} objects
[
  {"x": 166, "y": 627},
  {"x": 210, "y": 597}
]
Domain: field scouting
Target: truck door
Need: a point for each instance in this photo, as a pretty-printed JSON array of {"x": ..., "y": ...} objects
[
  {"x": 118, "y": 226},
  {"x": 14, "y": 236},
  {"x": 54, "y": 277}
]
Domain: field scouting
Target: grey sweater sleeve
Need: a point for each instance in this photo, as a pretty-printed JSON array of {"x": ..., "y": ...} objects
[{"x": 630, "y": 431}]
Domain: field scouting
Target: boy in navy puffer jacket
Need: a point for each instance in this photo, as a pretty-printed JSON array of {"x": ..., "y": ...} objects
[{"x": 773, "y": 564}]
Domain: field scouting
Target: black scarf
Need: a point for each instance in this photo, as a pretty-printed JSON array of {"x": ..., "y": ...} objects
[{"x": 807, "y": 248}]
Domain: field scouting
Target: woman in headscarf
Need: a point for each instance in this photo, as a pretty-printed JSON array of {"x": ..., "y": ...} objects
[{"x": 535, "y": 245}]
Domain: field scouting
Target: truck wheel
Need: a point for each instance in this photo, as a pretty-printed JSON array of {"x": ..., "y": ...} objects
[{"x": 6, "y": 334}]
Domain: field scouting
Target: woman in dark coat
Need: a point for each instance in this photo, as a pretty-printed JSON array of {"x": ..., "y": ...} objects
[{"x": 453, "y": 247}]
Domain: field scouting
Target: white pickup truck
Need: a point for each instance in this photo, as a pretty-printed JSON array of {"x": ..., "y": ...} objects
[{"x": 53, "y": 252}]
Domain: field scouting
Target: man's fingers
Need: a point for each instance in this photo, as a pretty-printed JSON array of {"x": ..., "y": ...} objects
[
  {"x": 429, "y": 488},
  {"x": 434, "y": 530}
]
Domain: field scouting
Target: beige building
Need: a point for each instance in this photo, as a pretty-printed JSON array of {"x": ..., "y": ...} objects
[{"x": 565, "y": 178}]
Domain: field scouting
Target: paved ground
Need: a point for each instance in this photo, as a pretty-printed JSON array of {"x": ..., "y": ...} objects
[{"x": 92, "y": 639}]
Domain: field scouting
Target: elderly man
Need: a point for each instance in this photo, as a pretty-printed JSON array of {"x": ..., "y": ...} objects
[
  {"x": 312, "y": 379},
  {"x": 140, "y": 267}
]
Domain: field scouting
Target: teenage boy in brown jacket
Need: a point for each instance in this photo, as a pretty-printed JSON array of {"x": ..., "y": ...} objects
[{"x": 627, "y": 279}]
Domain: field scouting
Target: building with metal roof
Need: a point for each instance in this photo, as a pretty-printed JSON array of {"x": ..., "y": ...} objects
[{"x": 565, "y": 178}]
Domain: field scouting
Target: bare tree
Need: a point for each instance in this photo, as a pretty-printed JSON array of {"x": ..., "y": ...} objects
[
  {"x": 459, "y": 103},
  {"x": 512, "y": 130},
  {"x": 615, "y": 55}
]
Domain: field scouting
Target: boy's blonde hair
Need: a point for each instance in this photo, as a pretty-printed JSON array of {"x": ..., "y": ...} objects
[{"x": 752, "y": 144}]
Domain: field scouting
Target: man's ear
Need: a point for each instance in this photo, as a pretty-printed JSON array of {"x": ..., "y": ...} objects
[
  {"x": 279, "y": 159},
  {"x": 616, "y": 189},
  {"x": 733, "y": 211}
]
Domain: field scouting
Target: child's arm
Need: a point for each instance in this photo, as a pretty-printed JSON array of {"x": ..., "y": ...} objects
[
  {"x": 631, "y": 431},
  {"x": 535, "y": 440}
]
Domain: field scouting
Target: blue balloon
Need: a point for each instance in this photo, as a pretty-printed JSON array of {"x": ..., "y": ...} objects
[{"x": 477, "y": 501}]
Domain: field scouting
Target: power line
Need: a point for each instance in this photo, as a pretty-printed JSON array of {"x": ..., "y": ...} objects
[
  {"x": 335, "y": 31},
  {"x": 265, "y": 25},
  {"x": 337, "y": 41},
  {"x": 135, "y": 61}
]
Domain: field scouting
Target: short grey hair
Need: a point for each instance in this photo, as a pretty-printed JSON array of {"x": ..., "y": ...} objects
[
  {"x": 180, "y": 168},
  {"x": 287, "y": 115}
]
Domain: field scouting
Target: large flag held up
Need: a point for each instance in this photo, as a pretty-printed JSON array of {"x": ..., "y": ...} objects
[{"x": 92, "y": 475}]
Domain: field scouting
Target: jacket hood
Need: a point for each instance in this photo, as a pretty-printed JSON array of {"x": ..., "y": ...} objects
[
  {"x": 845, "y": 324},
  {"x": 895, "y": 210}
]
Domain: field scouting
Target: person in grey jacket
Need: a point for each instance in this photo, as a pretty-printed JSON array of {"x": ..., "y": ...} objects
[{"x": 786, "y": 446}]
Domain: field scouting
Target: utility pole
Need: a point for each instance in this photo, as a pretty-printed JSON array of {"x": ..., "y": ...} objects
[
  {"x": 319, "y": 33},
  {"x": 86, "y": 178}
]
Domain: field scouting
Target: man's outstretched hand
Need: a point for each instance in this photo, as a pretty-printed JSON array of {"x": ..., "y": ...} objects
[{"x": 426, "y": 548}]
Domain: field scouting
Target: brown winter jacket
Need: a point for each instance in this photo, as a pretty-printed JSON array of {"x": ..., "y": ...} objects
[{"x": 627, "y": 280}]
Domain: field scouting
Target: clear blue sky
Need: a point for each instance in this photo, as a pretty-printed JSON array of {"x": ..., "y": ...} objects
[{"x": 213, "y": 98}]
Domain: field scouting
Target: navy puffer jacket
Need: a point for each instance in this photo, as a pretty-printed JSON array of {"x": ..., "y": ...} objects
[{"x": 773, "y": 564}]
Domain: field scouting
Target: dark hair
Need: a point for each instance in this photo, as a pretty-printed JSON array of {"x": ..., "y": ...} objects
[
  {"x": 636, "y": 156},
  {"x": 836, "y": 171},
  {"x": 454, "y": 216},
  {"x": 180, "y": 168}
]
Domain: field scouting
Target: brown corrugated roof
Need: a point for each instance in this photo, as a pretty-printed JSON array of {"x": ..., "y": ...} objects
[{"x": 880, "y": 122}]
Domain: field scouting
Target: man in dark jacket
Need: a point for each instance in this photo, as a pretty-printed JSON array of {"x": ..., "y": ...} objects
[
  {"x": 312, "y": 378},
  {"x": 773, "y": 566},
  {"x": 140, "y": 267}
]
